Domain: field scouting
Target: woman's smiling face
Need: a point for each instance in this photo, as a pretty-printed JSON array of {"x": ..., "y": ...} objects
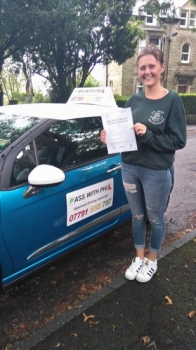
[{"x": 150, "y": 70}]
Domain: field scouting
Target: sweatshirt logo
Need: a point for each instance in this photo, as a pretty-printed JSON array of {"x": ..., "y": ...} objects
[{"x": 156, "y": 117}]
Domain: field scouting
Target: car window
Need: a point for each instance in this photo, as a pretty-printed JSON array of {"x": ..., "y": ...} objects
[
  {"x": 66, "y": 144},
  {"x": 70, "y": 143},
  {"x": 23, "y": 164},
  {"x": 12, "y": 127}
]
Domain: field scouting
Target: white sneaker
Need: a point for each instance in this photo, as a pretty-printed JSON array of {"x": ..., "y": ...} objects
[
  {"x": 147, "y": 270},
  {"x": 133, "y": 269}
]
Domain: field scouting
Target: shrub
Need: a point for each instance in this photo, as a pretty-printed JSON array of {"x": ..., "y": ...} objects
[{"x": 188, "y": 100}]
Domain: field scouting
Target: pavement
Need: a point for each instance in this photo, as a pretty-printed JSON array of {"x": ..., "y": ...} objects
[{"x": 129, "y": 315}]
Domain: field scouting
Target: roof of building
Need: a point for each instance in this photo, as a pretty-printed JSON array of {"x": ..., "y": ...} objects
[
  {"x": 141, "y": 3},
  {"x": 180, "y": 3}
]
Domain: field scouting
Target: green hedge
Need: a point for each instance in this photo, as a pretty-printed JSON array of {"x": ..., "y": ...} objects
[{"x": 189, "y": 102}]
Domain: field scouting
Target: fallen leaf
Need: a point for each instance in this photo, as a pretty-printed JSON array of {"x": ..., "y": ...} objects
[
  {"x": 83, "y": 288},
  {"x": 153, "y": 344},
  {"x": 87, "y": 317},
  {"x": 146, "y": 339},
  {"x": 8, "y": 346},
  {"x": 57, "y": 345},
  {"x": 168, "y": 300},
  {"x": 22, "y": 326},
  {"x": 188, "y": 230},
  {"x": 59, "y": 275},
  {"x": 49, "y": 319},
  {"x": 192, "y": 314},
  {"x": 93, "y": 322}
]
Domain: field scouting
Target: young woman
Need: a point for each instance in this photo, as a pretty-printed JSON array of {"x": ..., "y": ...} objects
[{"x": 160, "y": 128}]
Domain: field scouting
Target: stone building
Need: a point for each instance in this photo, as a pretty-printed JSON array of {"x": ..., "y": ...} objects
[{"x": 176, "y": 39}]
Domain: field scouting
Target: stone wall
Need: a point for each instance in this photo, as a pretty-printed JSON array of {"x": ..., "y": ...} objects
[{"x": 115, "y": 78}]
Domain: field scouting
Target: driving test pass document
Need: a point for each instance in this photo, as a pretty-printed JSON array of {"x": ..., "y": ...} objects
[{"x": 120, "y": 136}]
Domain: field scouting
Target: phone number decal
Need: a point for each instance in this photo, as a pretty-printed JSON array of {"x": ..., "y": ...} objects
[{"x": 89, "y": 201}]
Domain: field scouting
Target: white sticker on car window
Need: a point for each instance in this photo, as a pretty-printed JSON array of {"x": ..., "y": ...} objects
[{"x": 89, "y": 201}]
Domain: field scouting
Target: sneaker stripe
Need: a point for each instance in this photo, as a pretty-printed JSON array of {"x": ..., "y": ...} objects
[
  {"x": 147, "y": 271},
  {"x": 150, "y": 272}
]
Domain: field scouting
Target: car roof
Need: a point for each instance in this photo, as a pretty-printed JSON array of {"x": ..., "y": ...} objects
[{"x": 59, "y": 111}]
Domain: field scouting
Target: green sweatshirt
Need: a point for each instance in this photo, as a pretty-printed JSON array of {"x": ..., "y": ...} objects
[{"x": 166, "y": 130}]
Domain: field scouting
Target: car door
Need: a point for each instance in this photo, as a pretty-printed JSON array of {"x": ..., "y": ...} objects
[{"x": 39, "y": 226}]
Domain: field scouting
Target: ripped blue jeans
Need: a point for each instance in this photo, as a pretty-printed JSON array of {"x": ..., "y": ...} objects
[{"x": 147, "y": 191}]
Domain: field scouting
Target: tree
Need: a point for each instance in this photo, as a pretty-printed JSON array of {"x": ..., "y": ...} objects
[
  {"x": 12, "y": 80},
  {"x": 63, "y": 36},
  {"x": 91, "y": 82},
  {"x": 16, "y": 18},
  {"x": 77, "y": 34},
  {"x": 15, "y": 82}
]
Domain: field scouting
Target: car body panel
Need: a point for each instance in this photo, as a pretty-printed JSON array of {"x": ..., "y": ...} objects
[{"x": 41, "y": 223}]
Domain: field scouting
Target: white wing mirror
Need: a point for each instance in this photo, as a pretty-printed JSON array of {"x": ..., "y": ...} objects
[{"x": 45, "y": 175}]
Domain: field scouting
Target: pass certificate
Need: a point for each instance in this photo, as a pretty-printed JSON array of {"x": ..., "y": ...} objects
[{"x": 120, "y": 136}]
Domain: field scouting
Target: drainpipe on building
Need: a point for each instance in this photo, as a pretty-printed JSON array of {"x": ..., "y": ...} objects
[{"x": 168, "y": 37}]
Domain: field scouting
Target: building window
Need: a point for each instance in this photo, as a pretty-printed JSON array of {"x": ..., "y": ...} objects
[
  {"x": 185, "y": 58},
  {"x": 150, "y": 19},
  {"x": 183, "y": 18},
  {"x": 155, "y": 40},
  {"x": 142, "y": 44},
  {"x": 192, "y": 22},
  {"x": 111, "y": 84},
  {"x": 182, "y": 86},
  {"x": 139, "y": 86}
]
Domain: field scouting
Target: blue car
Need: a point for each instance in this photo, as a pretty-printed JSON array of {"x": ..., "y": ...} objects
[{"x": 59, "y": 187}]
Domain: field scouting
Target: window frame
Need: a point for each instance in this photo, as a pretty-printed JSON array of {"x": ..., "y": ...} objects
[
  {"x": 184, "y": 18},
  {"x": 155, "y": 37},
  {"x": 152, "y": 17},
  {"x": 139, "y": 86},
  {"x": 111, "y": 84},
  {"x": 184, "y": 53},
  {"x": 192, "y": 19},
  {"x": 183, "y": 85}
]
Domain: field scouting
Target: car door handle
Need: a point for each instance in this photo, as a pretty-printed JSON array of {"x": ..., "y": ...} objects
[{"x": 118, "y": 167}]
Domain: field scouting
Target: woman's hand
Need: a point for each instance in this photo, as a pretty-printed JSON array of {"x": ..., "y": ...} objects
[
  {"x": 103, "y": 136},
  {"x": 140, "y": 129}
]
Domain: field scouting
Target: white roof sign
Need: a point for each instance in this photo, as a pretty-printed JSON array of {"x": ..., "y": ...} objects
[
  {"x": 72, "y": 109},
  {"x": 101, "y": 96}
]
